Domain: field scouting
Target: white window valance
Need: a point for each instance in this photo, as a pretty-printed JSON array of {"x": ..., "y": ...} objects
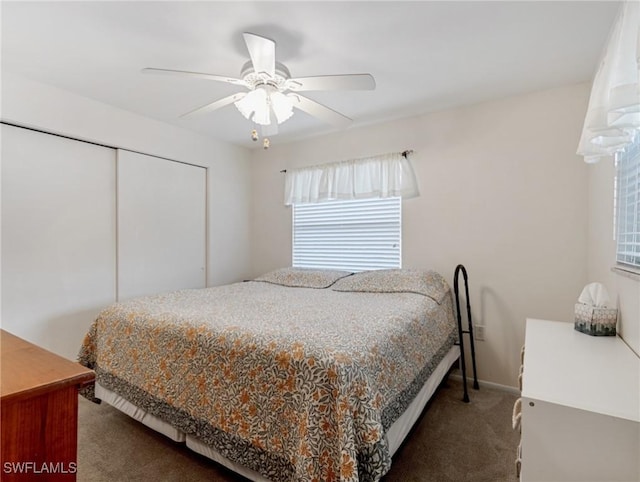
[
  {"x": 388, "y": 175},
  {"x": 613, "y": 114}
]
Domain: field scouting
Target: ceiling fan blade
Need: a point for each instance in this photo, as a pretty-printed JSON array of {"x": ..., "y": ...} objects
[
  {"x": 262, "y": 52},
  {"x": 319, "y": 111},
  {"x": 216, "y": 104},
  {"x": 333, "y": 82},
  {"x": 200, "y": 75}
]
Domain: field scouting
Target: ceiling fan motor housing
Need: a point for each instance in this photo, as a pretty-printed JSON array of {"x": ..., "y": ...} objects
[{"x": 253, "y": 79}]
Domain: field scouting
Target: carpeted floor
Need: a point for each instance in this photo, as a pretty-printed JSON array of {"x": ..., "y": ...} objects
[{"x": 453, "y": 441}]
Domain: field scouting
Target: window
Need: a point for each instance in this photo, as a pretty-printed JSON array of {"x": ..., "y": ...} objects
[
  {"x": 353, "y": 235},
  {"x": 628, "y": 204}
]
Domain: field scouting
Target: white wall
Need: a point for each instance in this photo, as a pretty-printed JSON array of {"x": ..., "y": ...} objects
[
  {"x": 33, "y": 104},
  {"x": 602, "y": 253},
  {"x": 502, "y": 191}
]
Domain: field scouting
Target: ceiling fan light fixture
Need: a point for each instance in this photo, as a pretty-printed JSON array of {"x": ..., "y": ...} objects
[
  {"x": 282, "y": 106},
  {"x": 254, "y": 107},
  {"x": 258, "y": 104}
]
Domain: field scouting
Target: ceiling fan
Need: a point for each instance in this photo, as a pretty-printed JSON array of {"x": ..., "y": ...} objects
[{"x": 272, "y": 93}]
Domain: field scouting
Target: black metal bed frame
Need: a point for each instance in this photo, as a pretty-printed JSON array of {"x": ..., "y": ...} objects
[{"x": 462, "y": 332}]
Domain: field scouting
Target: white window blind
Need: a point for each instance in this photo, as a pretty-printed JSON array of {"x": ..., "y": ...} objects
[
  {"x": 353, "y": 235},
  {"x": 628, "y": 204}
]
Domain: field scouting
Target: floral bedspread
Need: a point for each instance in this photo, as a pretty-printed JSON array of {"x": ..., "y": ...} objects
[{"x": 298, "y": 384}]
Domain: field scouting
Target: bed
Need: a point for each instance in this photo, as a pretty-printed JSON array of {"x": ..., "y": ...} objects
[{"x": 299, "y": 375}]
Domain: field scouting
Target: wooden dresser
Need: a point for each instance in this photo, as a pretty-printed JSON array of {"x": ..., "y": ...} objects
[{"x": 39, "y": 412}]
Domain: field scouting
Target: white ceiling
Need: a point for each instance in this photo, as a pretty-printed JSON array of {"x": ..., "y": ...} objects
[{"x": 425, "y": 56}]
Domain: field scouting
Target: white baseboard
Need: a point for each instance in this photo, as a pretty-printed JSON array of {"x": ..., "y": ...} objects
[{"x": 497, "y": 386}]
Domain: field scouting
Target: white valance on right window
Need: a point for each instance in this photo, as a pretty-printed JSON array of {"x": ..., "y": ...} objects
[
  {"x": 388, "y": 175},
  {"x": 613, "y": 115}
]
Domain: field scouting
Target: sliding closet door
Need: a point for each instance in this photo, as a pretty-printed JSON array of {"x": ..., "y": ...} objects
[
  {"x": 58, "y": 237},
  {"x": 161, "y": 225}
]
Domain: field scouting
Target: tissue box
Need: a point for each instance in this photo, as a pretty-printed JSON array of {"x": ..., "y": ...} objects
[{"x": 595, "y": 321}]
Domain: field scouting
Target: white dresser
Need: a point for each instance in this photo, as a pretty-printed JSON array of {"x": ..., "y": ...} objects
[{"x": 580, "y": 406}]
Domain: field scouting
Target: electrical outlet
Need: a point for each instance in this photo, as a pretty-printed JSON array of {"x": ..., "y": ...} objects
[{"x": 478, "y": 332}]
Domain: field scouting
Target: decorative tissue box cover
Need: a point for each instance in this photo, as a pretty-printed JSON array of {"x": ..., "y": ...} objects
[{"x": 596, "y": 321}]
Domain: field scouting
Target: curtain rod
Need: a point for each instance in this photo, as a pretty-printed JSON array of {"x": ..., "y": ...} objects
[{"x": 404, "y": 154}]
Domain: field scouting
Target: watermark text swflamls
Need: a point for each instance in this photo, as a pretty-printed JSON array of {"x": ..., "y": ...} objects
[{"x": 40, "y": 468}]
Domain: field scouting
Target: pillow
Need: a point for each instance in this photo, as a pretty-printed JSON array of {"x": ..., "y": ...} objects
[
  {"x": 427, "y": 283},
  {"x": 303, "y": 277}
]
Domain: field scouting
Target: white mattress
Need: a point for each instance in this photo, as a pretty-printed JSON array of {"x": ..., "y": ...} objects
[{"x": 395, "y": 435}]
